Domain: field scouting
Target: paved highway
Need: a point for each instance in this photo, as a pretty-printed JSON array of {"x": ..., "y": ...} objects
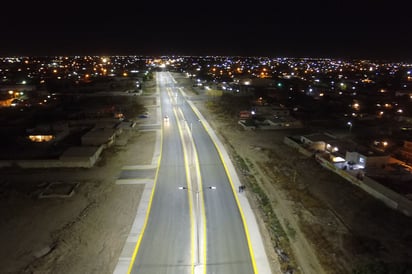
[
  {"x": 166, "y": 243},
  {"x": 194, "y": 223}
]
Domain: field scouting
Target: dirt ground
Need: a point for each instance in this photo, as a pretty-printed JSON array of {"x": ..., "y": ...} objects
[
  {"x": 83, "y": 233},
  {"x": 329, "y": 226}
]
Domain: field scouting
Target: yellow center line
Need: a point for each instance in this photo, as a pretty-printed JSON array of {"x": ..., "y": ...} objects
[{"x": 189, "y": 149}]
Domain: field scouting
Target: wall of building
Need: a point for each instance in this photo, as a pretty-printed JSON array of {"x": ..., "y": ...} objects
[{"x": 389, "y": 197}]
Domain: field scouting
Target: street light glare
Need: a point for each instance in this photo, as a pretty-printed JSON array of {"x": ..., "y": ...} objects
[{"x": 183, "y": 187}]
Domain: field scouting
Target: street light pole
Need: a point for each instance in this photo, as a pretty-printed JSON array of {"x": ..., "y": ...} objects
[
  {"x": 350, "y": 126},
  {"x": 197, "y": 214},
  {"x": 197, "y": 218}
]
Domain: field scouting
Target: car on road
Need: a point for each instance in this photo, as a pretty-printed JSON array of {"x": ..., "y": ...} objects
[{"x": 144, "y": 115}]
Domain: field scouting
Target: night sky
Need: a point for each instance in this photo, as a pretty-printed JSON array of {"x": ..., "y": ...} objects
[{"x": 337, "y": 29}]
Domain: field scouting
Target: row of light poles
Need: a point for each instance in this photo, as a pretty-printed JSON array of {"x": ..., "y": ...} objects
[{"x": 197, "y": 211}]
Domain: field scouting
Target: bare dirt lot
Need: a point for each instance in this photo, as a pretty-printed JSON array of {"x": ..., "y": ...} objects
[
  {"x": 313, "y": 221},
  {"x": 83, "y": 233}
]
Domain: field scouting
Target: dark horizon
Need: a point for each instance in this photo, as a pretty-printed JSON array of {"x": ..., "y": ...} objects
[{"x": 296, "y": 30}]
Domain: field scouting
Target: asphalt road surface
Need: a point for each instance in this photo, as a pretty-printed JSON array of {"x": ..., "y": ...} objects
[{"x": 194, "y": 223}]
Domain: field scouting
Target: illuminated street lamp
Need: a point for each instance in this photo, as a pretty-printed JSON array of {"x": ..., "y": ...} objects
[
  {"x": 350, "y": 126},
  {"x": 197, "y": 216}
]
